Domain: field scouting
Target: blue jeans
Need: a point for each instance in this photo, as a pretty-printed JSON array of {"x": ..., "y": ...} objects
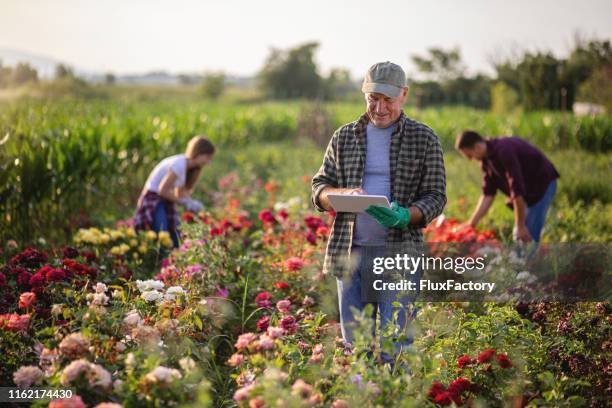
[
  {"x": 350, "y": 296},
  {"x": 536, "y": 214},
  {"x": 160, "y": 222}
]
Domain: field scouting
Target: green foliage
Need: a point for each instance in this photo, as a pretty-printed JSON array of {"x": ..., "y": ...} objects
[
  {"x": 291, "y": 73},
  {"x": 446, "y": 83},
  {"x": 21, "y": 74},
  {"x": 539, "y": 81},
  {"x": 213, "y": 85},
  {"x": 82, "y": 163},
  {"x": 504, "y": 99},
  {"x": 546, "y": 82},
  {"x": 598, "y": 88}
]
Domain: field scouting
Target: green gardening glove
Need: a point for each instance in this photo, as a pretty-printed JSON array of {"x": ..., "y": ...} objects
[{"x": 394, "y": 217}]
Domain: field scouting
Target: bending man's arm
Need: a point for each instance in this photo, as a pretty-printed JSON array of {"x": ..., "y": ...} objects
[
  {"x": 520, "y": 212},
  {"x": 484, "y": 203}
]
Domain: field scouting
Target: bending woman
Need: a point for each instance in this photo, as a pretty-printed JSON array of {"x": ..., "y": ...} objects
[{"x": 172, "y": 181}]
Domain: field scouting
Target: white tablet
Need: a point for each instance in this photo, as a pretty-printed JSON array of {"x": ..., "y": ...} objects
[{"x": 354, "y": 203}]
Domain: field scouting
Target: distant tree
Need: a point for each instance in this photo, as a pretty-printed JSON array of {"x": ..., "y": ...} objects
[
  {"x": 213, "y": 84},
  {"x": 23, "y": 73},
  {"x": 5, "y": 75},
  {"x": 63, "y": 71},
  {"x": 539, "y": 81},
  {"x": 185, "y": 79},
  {"x": 447, "y": 83},
  {"x": 338, "y": 84},
  {"x": 598, "y": 88},
  {"x": 507, "y": 73},
  {"x": 583, "y": 61},
  {"x": 440, "y": 65},
  {"x": 109, "y": 78},
  {"x": 291, "y": 73}
]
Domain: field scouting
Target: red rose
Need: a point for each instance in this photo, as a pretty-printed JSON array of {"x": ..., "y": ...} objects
[
  {"x": 55, "y": 275},
  {"x": 263, "y": 323},
  {"x": 311, "y": 237},
  {"x": 283, "y": 214},
  {"x": 24, "y": 279},
  {"x": 281, "y": 285},
  {"x": 90, "y": 256},
  {"x": 267, "y": 217},
  {"x": 443, "y": 398},
  {"x": 313, "y": 222},
  {"x": 294, "y": 264},
  {"x": 460, "y": 384},
  {"x": 70, "y": 253},
  {"x": 504, "y": 361},
  {"x": 16, "y": 270},
  {"x": 464, "y": 361},
  {"x": 288, "y": 324},
  {"x": 323, "y": 231},
  {"x": 486, "y": 355},
  {"x": 30, "y": 258},
  {"x": 37, "y": 280},
  {"x": 26, "y": 300},
  {"x": 436, "y": 388},
  {"x": 188, "y": 217},
  {"x": 263, "y": 299},
  {"x": 216, "y": 231}
]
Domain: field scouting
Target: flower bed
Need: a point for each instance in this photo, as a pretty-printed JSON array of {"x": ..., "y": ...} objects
[{"x": 240, "y": 314}]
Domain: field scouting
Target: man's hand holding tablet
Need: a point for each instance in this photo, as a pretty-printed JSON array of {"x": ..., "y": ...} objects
[{"x": 394, "y": 217}]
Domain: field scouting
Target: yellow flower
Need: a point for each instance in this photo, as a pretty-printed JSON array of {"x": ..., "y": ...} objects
[
  {"x": 120, "y": 249},
  {"x": 131, "y": 233},
  {"x": 135, "y": 255},
  {"x": 104, "y": 239},
  {"x": 164, "y": 238},
  {"x": 134, "y": 242},
  {"x": 142, "y": 249},
  {"x": 151, "y": 235},
  {"x": 115, "y": 235}
]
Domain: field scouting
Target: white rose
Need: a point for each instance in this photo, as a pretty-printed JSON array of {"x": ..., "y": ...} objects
[
  {"x": 174, "y": 292},
  {"x": 151, "y": 296},
  {"x": 150, "y": 284},
  {"x": 163, "y": 374}
]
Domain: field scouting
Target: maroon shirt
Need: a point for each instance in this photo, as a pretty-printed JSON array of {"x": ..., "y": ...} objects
[{"x": 517, "y": 168}]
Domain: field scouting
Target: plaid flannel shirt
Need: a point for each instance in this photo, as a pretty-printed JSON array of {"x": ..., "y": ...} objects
[{"x": 417, "y": 178}]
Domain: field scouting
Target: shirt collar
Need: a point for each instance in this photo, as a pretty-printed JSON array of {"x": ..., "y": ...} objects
[
  {"x": 364, "y": 119},
  {"x": 491, "y": 147}
]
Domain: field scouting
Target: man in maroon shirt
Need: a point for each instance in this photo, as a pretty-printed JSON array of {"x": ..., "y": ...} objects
[{"x": 520, "y": 171}]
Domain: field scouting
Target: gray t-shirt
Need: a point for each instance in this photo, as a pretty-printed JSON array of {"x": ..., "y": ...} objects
[{"x": 376, "y": 181}]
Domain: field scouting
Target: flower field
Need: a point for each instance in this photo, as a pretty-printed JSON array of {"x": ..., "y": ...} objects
[{"x": 240, "y": 315}]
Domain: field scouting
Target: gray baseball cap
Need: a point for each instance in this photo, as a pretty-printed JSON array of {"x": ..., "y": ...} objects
[{"x": 385, "y": 78}]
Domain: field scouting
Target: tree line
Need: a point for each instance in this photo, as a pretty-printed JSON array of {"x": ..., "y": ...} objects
[{"x": 529, "y": 81}]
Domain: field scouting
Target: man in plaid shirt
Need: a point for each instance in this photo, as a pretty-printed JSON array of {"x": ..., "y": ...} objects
[{"x": 382, "y": 153}]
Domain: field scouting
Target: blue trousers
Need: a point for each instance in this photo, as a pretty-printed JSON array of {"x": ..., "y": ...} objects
[
  {"x": 160, "y": 222},
  {"x": 350, "y": 298},
  {"x": 536, "y": 214}
]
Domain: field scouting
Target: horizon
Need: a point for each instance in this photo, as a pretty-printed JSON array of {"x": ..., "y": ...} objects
[{"x": 483, "y": 30}]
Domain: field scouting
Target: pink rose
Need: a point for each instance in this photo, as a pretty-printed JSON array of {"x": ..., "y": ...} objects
[
  {"x": 284, "y": 306},
  {"x": 26, "y": 300}
]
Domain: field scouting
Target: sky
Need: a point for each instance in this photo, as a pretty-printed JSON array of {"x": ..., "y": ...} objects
[{"x": 235, "y": 36}]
